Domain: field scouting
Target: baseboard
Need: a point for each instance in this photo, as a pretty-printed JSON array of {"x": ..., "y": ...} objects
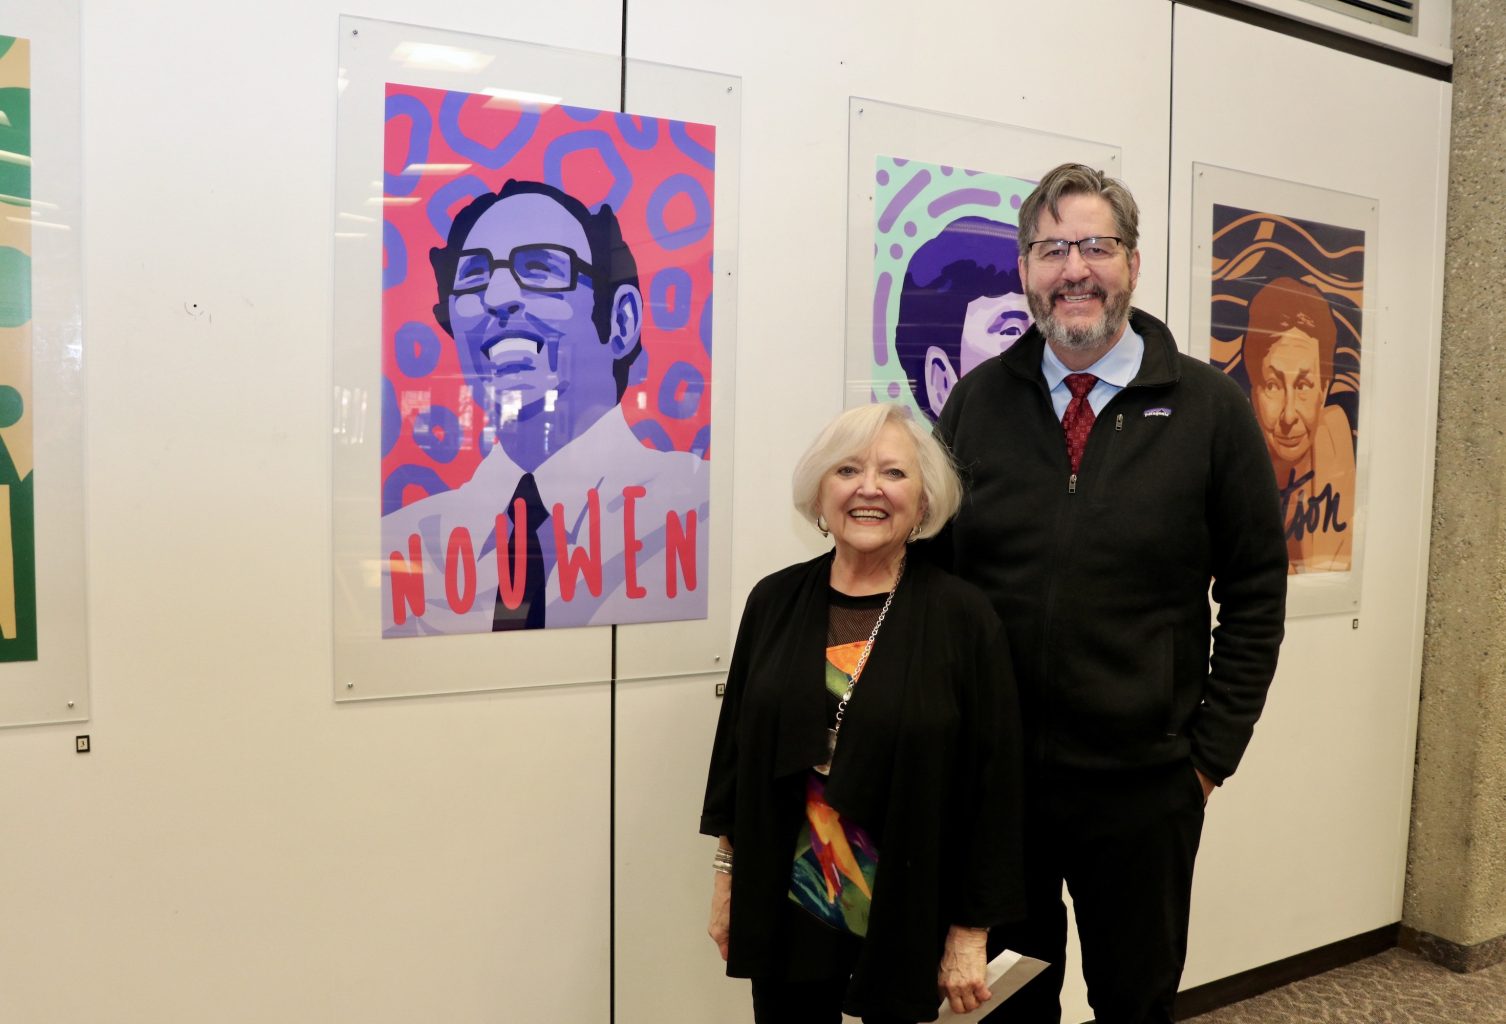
[
  {"x": 1452, "y": 955},
  {"x": 1253, "y": 982}
]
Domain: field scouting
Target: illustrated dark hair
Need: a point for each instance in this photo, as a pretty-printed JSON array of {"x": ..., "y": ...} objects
[
  {"x": 1280, "y": 306},
  {"x": 970, "y": 258}
]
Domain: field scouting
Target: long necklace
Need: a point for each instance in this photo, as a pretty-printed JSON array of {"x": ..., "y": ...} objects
[{"x": 852, "y": 681}]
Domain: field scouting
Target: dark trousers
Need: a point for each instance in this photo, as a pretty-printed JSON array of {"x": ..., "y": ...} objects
[
  {"x": 1124, "y": 843},
  {"x": 820, "y": 963},
  {"x": 806, "y": 1002}
]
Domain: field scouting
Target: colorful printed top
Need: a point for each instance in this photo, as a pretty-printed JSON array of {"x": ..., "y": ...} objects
[{"x": 836, "y": 860}]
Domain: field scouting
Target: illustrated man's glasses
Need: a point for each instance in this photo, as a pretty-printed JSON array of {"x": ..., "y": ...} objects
[
  {"x": 536, "y": 268},
  {"x": 1095, "y": 249}
]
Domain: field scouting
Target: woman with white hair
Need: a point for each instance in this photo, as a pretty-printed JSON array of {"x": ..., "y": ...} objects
[{"x": 866, "y": 768}]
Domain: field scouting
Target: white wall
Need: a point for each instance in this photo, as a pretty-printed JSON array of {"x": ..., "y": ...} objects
[
  {"x": 237, "y": 848},
  {"x": 1307, "y": 844}
]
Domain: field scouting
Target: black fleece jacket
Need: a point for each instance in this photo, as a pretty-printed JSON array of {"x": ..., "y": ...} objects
[{"x": 1102, "y": 577}]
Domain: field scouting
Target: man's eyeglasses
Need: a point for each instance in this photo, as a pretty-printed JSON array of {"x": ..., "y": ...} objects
[
  {"x": 536, "y": 268},
  {"x": 1095, "y": 249}
]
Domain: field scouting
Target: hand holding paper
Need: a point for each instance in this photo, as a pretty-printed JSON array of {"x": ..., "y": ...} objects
[
  {"x": 960, "y": 977},
  {"x": 1006, "y": 973}
]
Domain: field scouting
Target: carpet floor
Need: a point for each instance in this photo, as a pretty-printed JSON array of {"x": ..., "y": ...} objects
[{"x": 1395, "y": 987}]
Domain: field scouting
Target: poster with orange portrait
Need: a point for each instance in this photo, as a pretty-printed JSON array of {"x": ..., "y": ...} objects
[{"x": 1286, "y": 268}]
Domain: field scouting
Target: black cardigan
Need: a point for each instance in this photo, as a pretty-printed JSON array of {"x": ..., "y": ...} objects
[{"x": 929, "y": 762}]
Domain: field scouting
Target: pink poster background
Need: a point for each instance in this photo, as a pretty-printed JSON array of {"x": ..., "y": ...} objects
[{"x": 656, "y": 174}]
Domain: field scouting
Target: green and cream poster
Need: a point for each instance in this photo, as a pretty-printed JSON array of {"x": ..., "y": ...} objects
[{"x": 18, "y": 589}]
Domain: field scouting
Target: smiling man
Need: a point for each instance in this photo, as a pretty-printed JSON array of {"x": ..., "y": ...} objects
[
  {"x": 1110, "y": 480},
  {"x": 568, "y": 520}
]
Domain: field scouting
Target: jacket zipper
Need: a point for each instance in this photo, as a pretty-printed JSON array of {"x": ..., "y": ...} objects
[{"x": 1118, "y": 428}]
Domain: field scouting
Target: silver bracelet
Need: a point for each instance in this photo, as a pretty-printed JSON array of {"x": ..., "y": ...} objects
[{"x": 721, "y": 861}]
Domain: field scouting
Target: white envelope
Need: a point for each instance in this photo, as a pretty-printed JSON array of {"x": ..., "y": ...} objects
[{"x": 1005, "y": 974}]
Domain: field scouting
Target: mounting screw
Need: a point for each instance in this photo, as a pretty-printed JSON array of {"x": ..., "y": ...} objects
[
  {"x": 81, "y": 744},
  {"x": 721, "y": 688},
  {"x": 350, "y": 686},
  {"x": 70, "y": 703}
]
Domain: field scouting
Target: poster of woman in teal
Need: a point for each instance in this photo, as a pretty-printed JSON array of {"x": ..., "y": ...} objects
[{"x": 18, "y": 591}]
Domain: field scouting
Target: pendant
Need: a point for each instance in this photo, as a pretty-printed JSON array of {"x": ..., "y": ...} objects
[{"x": 831, "y": 751}]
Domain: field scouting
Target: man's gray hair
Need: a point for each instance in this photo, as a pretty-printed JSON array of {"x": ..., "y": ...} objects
[{"x": 1075, "y": 180}]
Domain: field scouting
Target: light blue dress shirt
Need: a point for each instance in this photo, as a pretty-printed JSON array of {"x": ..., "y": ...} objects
[{"x": 1114, "y": 372}]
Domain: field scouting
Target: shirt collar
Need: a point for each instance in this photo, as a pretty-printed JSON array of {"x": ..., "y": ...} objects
[
  {"x": 572, "y": 470},
  {"x": 1117, "y": 366}
]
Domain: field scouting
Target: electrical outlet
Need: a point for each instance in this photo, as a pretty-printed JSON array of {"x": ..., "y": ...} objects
[{"x": 81, "y": 744}]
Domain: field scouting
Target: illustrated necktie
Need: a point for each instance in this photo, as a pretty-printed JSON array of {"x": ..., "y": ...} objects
[
  {"x": 1077, "y": 421},
  {"x": 529, "y": 613}
]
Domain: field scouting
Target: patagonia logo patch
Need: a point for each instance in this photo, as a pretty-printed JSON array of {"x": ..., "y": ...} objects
[{"x": 1158, "y": 411}]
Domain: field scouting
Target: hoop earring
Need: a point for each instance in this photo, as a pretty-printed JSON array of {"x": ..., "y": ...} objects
[{"x": 821, "y": 525}]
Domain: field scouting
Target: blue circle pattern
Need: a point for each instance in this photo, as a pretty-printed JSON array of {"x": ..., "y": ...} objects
[
  {"x": 654, "y": 434},
  {"x": 392, "y": 417},
  {"x": 622, "y": 177},
  {"x": 418, "y": 142},
  {"x": 690, "y": 147},
  {"x": 487, "y": 156},
  {"x": 644, "y": 137},
  {"x": 417, "y": 349},
  {"x": 681, "y": 408},
  {"x": 705, "y": 328},
  {"x": 467, "y": 187},
  {"x": 437, "y": 432},
  {"x": 669, "y": 298},
  {"x": 585, "y": 115},
  {"x": 674, "y": 185},
  {"x": 395, "y": 254},
  {"x": 405, "y": 476}
]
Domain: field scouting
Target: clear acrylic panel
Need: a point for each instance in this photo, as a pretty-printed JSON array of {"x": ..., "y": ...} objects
[
  {"x": 523, "y": 394},
  {"x": 929, "y": 193},
  {"x": 1283, "y": 274},
  {"x": 44, "y": 663}
]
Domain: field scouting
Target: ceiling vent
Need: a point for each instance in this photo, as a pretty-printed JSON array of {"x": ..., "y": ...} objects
[{"x": 1399, "y": 15}]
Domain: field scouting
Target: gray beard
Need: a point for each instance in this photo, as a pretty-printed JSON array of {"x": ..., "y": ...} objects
[{"x": 1081, "y": 339}]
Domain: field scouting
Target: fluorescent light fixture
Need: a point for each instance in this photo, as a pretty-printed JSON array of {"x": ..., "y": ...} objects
[
  {"x": 392, "y": 200},
  {"x": 14, "y": 158},
  {"x": 4, "y": 121},
  {"x": 350, "y": 234},
  {"x": 436, "y": 168},
  {"x": 359, "y": 217},
  {"x": 437, "y": 57},
  {"x": 503, "y": 97}
]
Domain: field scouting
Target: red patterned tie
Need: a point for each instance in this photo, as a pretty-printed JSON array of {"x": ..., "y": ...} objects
[{"x": 1077, "y": 421}]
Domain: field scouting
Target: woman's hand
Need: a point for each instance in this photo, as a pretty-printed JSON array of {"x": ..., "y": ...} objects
[
  {"x": 721, "y": 911},
  {"x": 960, "y": 978}
]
